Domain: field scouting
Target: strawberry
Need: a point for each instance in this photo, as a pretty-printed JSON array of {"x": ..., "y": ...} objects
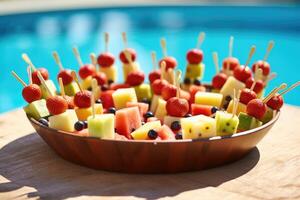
[
  {"x": 35, "y": 78},
  {"x": 158, "y": 85},
  {"x": 32, "y": 93},
  {"x": 56, "y": 105},
  {"x": 82, "y": 99},
  {"x": 135, "y": 78},
  {"x": 123, "y": 57},
  {"x": 86, "y": 70},
  {"x": 106, "y": 59},
  {"x": 66, "y": 76},
  {"x": 100, "y": 77},
  {"x": 154, "y": 75},
  {"x": 177, "y": 107}
]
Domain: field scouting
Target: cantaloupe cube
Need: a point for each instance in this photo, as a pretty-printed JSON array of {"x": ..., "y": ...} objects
[
  {"x": 52, "y": 88},
  {"x": 110, "y": 72},
  {"x": 128, "y": 120},
  {"x": 71, "y": 89},
  {"x": 229, "y": 86},
  {"x": 208, "y": 98},
  {"x": 122, "y": 96},
  {"x": 84, "y": 113},
  {"x": 161, "y": 110},
  {"x": 241, "y": 107},
  {"x": 143, "y": 91},
  {"x": 102, "y": 126},
  {"x": 37, "y": 109},
  {"x": 64, "y": 121},
  {"x": 142, "y": 132}
]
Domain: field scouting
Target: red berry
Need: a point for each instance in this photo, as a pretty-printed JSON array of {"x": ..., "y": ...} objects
[
  {"x": 158, "y": 85},
  {"x": 154, "y": 75},
  {"x": 177, "y": 107},
  {"x": 32, "y": 93},
  {"x": 123, "y": 57},
  {"x": 56, "y": 105},
  {"x": 106, "y": 59},
  {"x": 242, "y": 73},
  {"x": 100, "y": 77},
  {"x": 66, "y": 76},
  {"x": 82, "y": 99},
  {"x": 263, "y": 65},
  {"x": 219, "y": 80},
  {"x": 256, "y": 108},
  {"x": 247, "y": 95},
  {"x": 170, "y": 62},
  {"x": 86, "y": 70},
  {"x": 168, "y": 92},
  {"x": 35, "y": 78},
  {"x": 135, "y": 78},
  {"x": 232, "y": 62},
  {"x": 115, "y": 86},
  {"x": 106, "y": 98},
  {"x": 259, "y": 86},
  {"x": 70, "y": 101},
  {"x": 276, "y": 102},
  {"x": 194, "y": 56}
]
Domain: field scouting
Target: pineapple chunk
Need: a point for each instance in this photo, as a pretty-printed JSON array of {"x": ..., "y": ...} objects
[
  {"x": 128, "y": 68},
  {"x": 102, "y": 126},
  {"x": 142, "y": 132},
  {"x": 37, "y": 109},
  {"x": 110, "y": 72},
  {"x": 52, "y": 88},
  {"x": 64, "y": 121},
  {"x": 195, "y": 71},
  {"x": 241, "y": 108},
  {"x": 84, "y": 113},
  {"x": 143, "y": 91},
  {"x": 71, "y": 89},
  {"x": 161, "y": 110},
  {"x": 86, "y": 83},
  {"x": 207, "y": 98},
  {"x": 226, "y": 123},
  {"x": 122, "y": 96}
]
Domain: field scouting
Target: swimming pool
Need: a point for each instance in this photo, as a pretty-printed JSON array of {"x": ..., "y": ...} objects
[{"x": 38, "y": 34}]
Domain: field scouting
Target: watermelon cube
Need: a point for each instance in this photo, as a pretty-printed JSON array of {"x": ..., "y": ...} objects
[
  {"x": 128, "y": 120},
  {"x": 122, "y": 96},
  {"x": 107, "y": 99},
  {"x": 198, "y": 109},
  {"x": 143, "y": 107},
  {"x": 165, "y": 133}
]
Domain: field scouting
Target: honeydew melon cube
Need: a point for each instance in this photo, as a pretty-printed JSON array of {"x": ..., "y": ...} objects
[
  {"x": 64, "y": 121},
  {"x": 229, "y": 86},
  {"x": 86, "y": 83},
  {"x": 247, "y": 122},
  {"x": 240, "y": 108},
  {"x": 142, "y": 132},
  {"x": 168, "y": 120},
  {"x": 84, "y": 113},
  {"x": 195, "y": 71},
  {"x": 154, "y": 102},
  {"x": 128, "y": 68},
  {"x": 161, "y": 110},
  {"x": 208, "y": 98},
  {"x": 71, "y": 89},
  {"x": 102, "y": 126},
  {"x": 51, "y": 87},
  {"x": 122, "y": 96},
  {"x": 110, "y": 72},
  {"x": 268, "y": 115},
  {"x": 226, "y": 123},
  {"x": 37, "y": 109},
  {"x": 143, "y": 91}
]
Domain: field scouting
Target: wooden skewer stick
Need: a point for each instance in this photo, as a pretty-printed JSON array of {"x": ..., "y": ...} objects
[
  {"x": 154, "y": 61},
  {"x": 163, "y": 70},
  {"x": 237, "y": 99},
  {"x": 128, "y": 56},
  {"x": 94, "y": 86},
  {"x": 178, "y": 77},
  {"x": 273, "y": 92},
  {"x": 57, "y": 60},
  {"x": 106, "y": 41},
  {"x": 77, "y": 55},
  {"x": 93, "y": 104},
  {"x": 26, "y": 58},
  {"x": 252, "y": 50},
  {"x": 233, "y": 101},
  {"x": 29, "y": 75},
  {"x": 270, "y": 47},
  {"x": 200, "y": 40},
  {"x": 163, "y": 45},
  {"x": 124, "y": 38},
  {"x": 18, "y": 78},
  {"x": 258, "y": 72},
  {"x": 44, "y": 83},
  {"x": 62, "y": 89},
  {"x": 75, "y": 78},
  {"x": 290, "y": 88},
  {"x": 230, "y": 46},
  {"x": 270, "y": 77},
  {"x": 216, "y": 61},
  {"x": 172, "y": 76},
  {"x": 94, "y": 59}
]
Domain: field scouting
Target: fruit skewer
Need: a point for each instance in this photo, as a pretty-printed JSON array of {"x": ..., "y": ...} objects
[{"x": 230, "y": 63}]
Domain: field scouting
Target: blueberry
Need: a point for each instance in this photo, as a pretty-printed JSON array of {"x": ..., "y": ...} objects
[
  {"x": 104, "y": 87},
  {"x": 44, "y": 122},
  {"x": 152, "y": 134},
  {"x": 89, "y": 88},
  {"x": 197, "y": 82},
  {"x": 148, "y": 115},
  {"x": 112, "y": 110},
  {"x": 178, "y": 136},
  {"x": 143, "y": 123},
  {"x": 228, "y": 98},
  {"x": 79, "y": 125},
  {"x": 214, "y": 109},
  {"x": 110, "y": 82},
  {"x": 98, "y": 101},
  {"x": 175, "y": 126},
  {"x": 188, "y": 115},
  {"x": 85, "y": 124},
  {"x": 147, "y": 101},
  {"x": 187, "y": 81}
]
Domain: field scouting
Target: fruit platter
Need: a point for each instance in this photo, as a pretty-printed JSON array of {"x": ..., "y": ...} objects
[{"x": 166, "y": 122}]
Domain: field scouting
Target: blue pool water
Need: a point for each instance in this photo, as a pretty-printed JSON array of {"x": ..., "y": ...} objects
[{"x": 39, "y": 34}]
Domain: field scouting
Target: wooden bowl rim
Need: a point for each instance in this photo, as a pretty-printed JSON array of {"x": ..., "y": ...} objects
[{"x": 240, "y": 134}]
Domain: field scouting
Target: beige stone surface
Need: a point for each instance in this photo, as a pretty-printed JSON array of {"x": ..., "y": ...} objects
[{"x": 29, "y": 169}]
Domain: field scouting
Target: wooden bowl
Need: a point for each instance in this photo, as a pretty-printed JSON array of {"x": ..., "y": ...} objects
[{"x": 131, "y": 156}]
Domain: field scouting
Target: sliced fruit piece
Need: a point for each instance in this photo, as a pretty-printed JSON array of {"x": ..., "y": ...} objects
[
  {"x": 37, "y": 109},
  {"x": 197, "y": 109},
  {"x": 51, "y": 87},
  {"x": 154, "y": 102},
  {"x": 207, "y": 98},
  {"x": 84, "y": 113},
  {"x": 64, "y": 121},
  {"x": 246, "y": 122},
  {"x": 226, "y": 123},
  {"x": 142, "y": 132},
  {"x": 168, "y": 120},
  {"x": 268, "y": 115},
  {"x": 229, "y": 86},
  {"x": 86, "y": 83},
  {"x": 107, "y": 99},
  {"x": 122, "y": 96},
  {"x": 143, "y": 91},
  {"x": 240, "y": 108},
  {"x": 102, "y": 126},
  {"x": 110, "y": 72},
  {"x": 165, "y": 133},
  {"x": 161, "y": 111},
  {"x": 71, "y": 89},
  {"x": 143, "y": 107}
]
